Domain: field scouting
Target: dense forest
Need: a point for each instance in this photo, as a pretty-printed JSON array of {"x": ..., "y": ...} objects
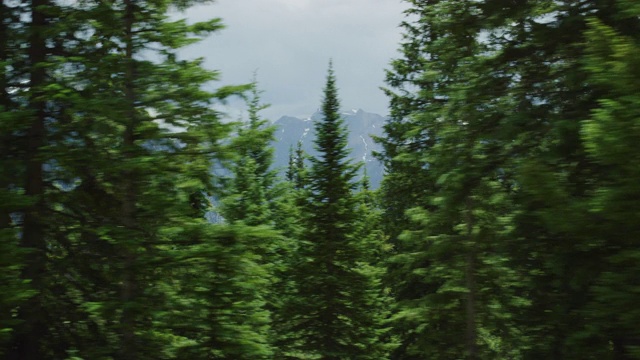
[{"x": 503, "y": 229}]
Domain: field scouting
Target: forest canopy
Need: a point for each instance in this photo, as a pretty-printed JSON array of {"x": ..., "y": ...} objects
[{"x": 506, "y": 225}]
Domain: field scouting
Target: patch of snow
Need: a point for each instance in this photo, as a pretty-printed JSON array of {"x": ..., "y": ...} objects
[{"x": 366, "y": 149}]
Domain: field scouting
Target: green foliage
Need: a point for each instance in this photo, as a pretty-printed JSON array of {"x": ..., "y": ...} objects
[
  {"x": 506, "y": 226},
  {"x": 610, "y": 136},
  {"x": 15, "y": 290},
  {"x": 336, "y": 312},
  {"x": 510, "y": 245},
  {"x": 217, "y": 287},
  {"x": 108, "y": 155},
  {"x": 252, "y": 178}
]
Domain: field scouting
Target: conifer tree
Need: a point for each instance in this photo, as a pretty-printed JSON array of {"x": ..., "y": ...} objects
[
  {"x": 218, "y": 303},
  {"x": 289, "y": 175},
  {"x": 15, "y": 290},
  {"x": 299, "y": 167},
  {"x": 287, "y": 211},
  {"x": 114, "y": 148},
  {"x": 156, "y": 122},
  {"x": 30, "y": 134},
  {"x": 611, "y": 136},
  {"x": 488, "y": 116},
  {"x": 251, "y": 186},
  {"x": 334, "y": 314},
  {"x": 256, "y": 199}
]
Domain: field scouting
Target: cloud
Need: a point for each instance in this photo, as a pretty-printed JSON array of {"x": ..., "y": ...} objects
[{"x": 289, "y": 43}]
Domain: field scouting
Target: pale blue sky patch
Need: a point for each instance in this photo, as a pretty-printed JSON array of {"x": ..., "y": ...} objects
[{"x": 290, "y": 42}]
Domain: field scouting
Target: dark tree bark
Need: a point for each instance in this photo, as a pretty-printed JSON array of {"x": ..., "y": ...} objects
[{"x": 34, "y": 326}]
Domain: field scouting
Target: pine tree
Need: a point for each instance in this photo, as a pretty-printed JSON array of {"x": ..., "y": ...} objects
[
  {"x": 287, "y": 211},
  {"x": 253, "y": 177},
  {"x": 488, "y": 110},
  {"x": 256, "y": 199},
  {"x": 289, "y": 175},
  {"x": 15, "y": 290},
  {"x": 299, "y": 168},
  {"x": 151, "y": 126},
  {"x": 335, "y": 313},
  {"x": 454, "y": 266},
  {"x": 407, "y": 182},
  {"x": 554, "y": 176},
  {"x": 111, "y": 152},
  {"x": 218, "y": 299},
  {"x": 611, "y": 137},
  {"x": 30, "y": 67}
]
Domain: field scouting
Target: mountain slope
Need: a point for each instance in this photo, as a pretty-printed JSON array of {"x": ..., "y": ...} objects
[{"x": 361, "y": 124}]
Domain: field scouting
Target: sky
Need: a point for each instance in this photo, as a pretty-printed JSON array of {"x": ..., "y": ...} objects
[{"x": 289, "y": 43}]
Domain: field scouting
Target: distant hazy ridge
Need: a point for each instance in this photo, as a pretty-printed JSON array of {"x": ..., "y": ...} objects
[{"x": 362, "y": 126}]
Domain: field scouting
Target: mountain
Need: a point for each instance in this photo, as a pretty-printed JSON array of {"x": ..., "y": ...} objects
[{"x": 361, "y": 124}]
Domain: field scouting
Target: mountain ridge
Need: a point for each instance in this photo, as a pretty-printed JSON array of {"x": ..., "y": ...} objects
[{"x": 362, "y": 127}]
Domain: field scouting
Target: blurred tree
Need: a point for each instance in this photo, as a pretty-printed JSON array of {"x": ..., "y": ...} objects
[
  {"x": 28, "y": 134},
  {"x": 112, "y": 150},
  {"x": 611, "y": 135},
  {"x": 13, "y": 125},
  {"x": 495, "y": 93}
]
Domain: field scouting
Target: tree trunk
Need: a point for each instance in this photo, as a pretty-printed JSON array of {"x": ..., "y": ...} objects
[
  {"x": 470, "y": 283},
  {"x": 5, "y": 106},
  {"x": 129, "y": 289},
  {"x": 34, "y": 326}
]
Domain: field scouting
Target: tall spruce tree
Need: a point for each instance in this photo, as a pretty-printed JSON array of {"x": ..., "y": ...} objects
[
  {"x": 27, "y": 69},
  {"x": 610, "y": 136},
  {"x": 407, "y": 183},
  {"x": 158, "y": 136},
  {"x": 335, "y": 313},
  {"x": 488, "y": 112},
  {"x": 255, "y": 198},
  {"x": 217, "y": 294},
  {"x": 110, "y": 151},
  {"x": 287, "y": 211},
  {"x": 556, "y": 234},
  {"x": 449, "y": 269},
  {"x": 253, "y": 179},
  {"x": 13, "y": 122}
]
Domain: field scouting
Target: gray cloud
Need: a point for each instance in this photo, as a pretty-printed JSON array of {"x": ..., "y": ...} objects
[{"x": 289, "y": 43}]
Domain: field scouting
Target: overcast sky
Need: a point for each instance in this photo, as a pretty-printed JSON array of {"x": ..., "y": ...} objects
[{"x": 290, "y": 42}]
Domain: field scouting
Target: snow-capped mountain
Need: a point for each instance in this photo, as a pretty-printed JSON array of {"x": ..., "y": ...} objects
[{"x": 361, "y": 124}]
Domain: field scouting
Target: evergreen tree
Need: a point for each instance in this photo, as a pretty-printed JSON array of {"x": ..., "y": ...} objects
[
  {"x": 289, "y": 195},
  {"x": 12, "y": 199},
  {"x": 253, "y": 177},
  {"x": 289, "y": 175},
  {"x": 159, "y": 137},
  {"x": 28, "y": 135},
  {"x": 111, "y": 151},
  {"x": 611, "y": 137},
  {"x": 335, "y": 313},
  {"x": 451, "y": 261},
  {"x": 299, "y": 168},
  {"x": 487, "y": 114},
  {"x": 407, "y": 182},
  {"x": 256, "y": 199},
  {"x": 218, "y": 299}
]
